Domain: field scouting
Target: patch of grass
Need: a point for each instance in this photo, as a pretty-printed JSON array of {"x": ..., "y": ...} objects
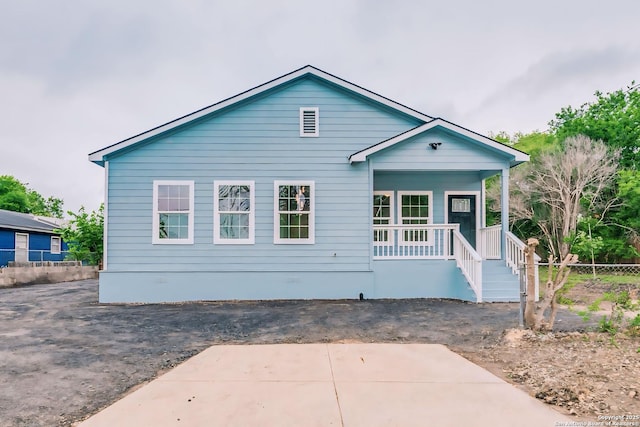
[
  {"x": 561, "y": 295},
  {"x": 634, "y": 327},
  {"x": 608, "y": 325},
  {"x": 595, "y": 306},
  {"x": 613, "y": 279}
]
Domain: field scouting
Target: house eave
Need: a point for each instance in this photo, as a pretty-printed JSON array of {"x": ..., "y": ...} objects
[{"x": 30, "y": 229}]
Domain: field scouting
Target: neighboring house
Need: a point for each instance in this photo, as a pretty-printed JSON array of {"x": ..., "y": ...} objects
[
  {"x": 28, "y": 238},
  {"x": 307, "y": 186}
]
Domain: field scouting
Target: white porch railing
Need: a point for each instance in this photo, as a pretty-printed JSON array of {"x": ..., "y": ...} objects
[
  {"x": 491, "y": 242},
  {"x": 413, "y": 241},
  {"x": 469, "y": 261},
  {"x": 433, "y": 241},
  {"x": 514, "y": 252}
]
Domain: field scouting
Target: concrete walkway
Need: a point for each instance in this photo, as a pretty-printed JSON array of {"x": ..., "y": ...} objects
[{"x": 328, "y": 385}]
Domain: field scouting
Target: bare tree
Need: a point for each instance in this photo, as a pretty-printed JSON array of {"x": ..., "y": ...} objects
[
  {"x": 558, "y": 186},
  {"x": 543, "y": 316}
]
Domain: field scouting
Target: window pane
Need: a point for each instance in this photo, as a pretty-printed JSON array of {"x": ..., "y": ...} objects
[
  {"x": 173, "y": 226},
  {"x": 174, "y": 191},
  {"x": 163, "y": 191},
  {"x": 234, "y": 198}
]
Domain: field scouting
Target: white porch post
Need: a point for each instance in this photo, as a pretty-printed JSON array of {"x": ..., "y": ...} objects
[{"x": 504, "y": 214}]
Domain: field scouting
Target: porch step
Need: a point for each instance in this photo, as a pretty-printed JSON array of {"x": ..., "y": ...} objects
[{"x": 499, "y": 284}]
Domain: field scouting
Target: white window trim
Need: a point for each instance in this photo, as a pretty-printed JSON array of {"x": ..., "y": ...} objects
[
  {"x": 391, "y": 234},
  {"x": 276, "y": 214},
  {"x": 316, "y": 112},
  {"x": 15, "y": 246},
  {"x": 430, "y": 236},
  {"x": 15, "y": 243},
  {"x": 59, "y": 250},
  {"x": 155, "y": 239},
  {"x": 216, "y": 214}
]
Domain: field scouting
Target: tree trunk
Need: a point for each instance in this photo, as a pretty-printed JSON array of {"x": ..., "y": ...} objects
[{"x": 530, "y": 307}]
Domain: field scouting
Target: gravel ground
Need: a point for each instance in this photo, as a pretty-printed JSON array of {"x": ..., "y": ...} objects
[{"x": 63, "y": 356}]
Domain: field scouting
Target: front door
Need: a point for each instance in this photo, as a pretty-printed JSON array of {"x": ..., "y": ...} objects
[
  {"x": 22, "y": 247},
  {"x": 462, "y": 210}
]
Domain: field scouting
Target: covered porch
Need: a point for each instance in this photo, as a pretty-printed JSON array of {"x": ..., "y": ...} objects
[
  {"x": 428, "y": 192},
  {"x": 437, "y": 219}
]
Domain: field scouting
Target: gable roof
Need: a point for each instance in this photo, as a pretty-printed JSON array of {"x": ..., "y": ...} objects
[
  {"x": 27, "y": 222},
  {"x": 518, "y": 156},
  {"x": 98, "y": 156}
]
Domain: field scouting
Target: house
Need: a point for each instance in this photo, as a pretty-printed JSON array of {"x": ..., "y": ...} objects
[
  {"x": 29, "y": 238},
  {"x": 307, "y": 186}
]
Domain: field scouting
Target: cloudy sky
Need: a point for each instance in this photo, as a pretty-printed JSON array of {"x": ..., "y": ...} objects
[{"x": 76, "y": 76}]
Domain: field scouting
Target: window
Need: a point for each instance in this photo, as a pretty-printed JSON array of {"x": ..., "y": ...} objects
[
  {"x": 382, "y": 214},
  {"x": 294, "y": 212},
  {"x": 173, "y": 212},
  {"x": 309, "y": 121},
  {"x": 233, "y": 210},
  {"x": 55, "y": 244},
  {"x": 415, "y": 208}
]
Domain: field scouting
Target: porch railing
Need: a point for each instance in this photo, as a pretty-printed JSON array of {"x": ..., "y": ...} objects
[
  {"x": 490, "y": 242},
  {"x": 469, "y": 261},
  {"x": 413, "y": 241},
  {"x": 514, "y": 252}
]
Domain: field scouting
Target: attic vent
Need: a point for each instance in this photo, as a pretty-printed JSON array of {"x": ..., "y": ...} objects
[{"x": 309, "y": 123}]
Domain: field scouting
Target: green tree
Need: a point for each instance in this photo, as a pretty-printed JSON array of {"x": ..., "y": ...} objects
[
  {"x": 84, "y": 235},
  {"x": 13, "y": 195},
  {"x": 17, "y": 197},
  {"x": 613, "y": 118}
]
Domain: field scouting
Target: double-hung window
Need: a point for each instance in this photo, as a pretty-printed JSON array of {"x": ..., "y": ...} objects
[
  {"x": 56, "y": 244},
  {"x": 233, "y": 210},
  {"x": 415, "y": 208},
  {"x": 294, "y": 212},
  {"x": 173, "y": 208}
]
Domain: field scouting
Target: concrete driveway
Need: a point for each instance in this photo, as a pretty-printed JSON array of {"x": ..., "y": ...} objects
[{"x": 359, "y": 385}]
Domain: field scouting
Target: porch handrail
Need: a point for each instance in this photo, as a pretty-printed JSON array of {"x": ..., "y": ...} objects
[
  {"x": 491, "y": 242},
  {"x": 514, "y": 252},
  {"x": 412, "y": 241},
  {"x": 469, "y": 262}
]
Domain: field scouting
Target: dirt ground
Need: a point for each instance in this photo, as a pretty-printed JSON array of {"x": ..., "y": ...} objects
[
  {"x": 63, "y": 356},
  {"x": 587, "y": 374}
]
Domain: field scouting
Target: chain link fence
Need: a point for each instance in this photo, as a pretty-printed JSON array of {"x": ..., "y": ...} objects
[{"x": 600, "y": 270}]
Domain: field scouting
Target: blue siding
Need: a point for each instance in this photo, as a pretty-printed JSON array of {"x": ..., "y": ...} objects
[
  {"x": 256, "y": 141},
  {"x": 392, "y": 279},
  {"x": 7, "y": 243},
  {"x": 420, "y": 279},
  {"x": 455, "y": 153},
  {"x": 39, "y": 246}
]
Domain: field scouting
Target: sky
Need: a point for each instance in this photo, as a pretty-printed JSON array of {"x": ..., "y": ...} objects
[{"x": 77, "y": 76}]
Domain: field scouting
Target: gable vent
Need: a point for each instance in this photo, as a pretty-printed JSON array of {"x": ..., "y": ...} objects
[{"x": 309, "y": 124}]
